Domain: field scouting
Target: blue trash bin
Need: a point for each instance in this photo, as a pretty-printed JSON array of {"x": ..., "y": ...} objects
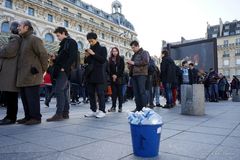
[{"x": 146, "y": 139}]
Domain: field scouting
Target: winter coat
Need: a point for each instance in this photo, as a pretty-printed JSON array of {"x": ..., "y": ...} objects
[
  {"x": 67, "y": 56},
  {"x": 8, "y": 64},
  {"x": 97, "y": 65},
  {"x": 141, "y": 60},
  {"x": 117, "y": 69},
  {"x": 168, "y": 70},
  {"x": 32, "y": 61}
]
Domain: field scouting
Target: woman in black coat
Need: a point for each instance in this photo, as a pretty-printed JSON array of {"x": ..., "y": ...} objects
[{"x": 116, "y": 66}]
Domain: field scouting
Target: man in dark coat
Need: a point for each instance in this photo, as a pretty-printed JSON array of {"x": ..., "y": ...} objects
[
  {"x": 32, "y": 63},
  {"x": 168, "y": 76},
  {"x": 138, "y": 66},
  {"x": 8, "y": 73},
  {"x": 67, "y": 55},
  {"x": 95, "y": 73}
]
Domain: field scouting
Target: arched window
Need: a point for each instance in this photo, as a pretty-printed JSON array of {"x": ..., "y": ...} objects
[
  {"x": 80, "y": 45},
  {"x": 49, "y": 37},
  {"x": 5, "y": 27}
]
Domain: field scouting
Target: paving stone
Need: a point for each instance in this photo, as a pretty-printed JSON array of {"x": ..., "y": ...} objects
[
  {"x": 102, "y": 150},
  {"x": 184, "y": 148},
  {"x": 59, "y": 156},
  {"x": 233, "y": 142},
  {"x": 122, "y": 139},
  {"x": 100, "y": 133},
  {"x": 44, "y": 134},
  {"x": 224, "y": 153},
  {"x": 199, "y": 137},
  {"x": 210, "y": 130},
  {"x": 63, "y": 142},
  {"x": 161, "y": 156},
  {"x": 7, "y": 141}
]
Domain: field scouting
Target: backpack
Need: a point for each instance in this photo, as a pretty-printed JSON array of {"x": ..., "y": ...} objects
[{"x": 151, "y": 66}]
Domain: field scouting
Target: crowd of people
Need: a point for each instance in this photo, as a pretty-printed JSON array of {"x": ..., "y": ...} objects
[{"x": 26, "y": 68}]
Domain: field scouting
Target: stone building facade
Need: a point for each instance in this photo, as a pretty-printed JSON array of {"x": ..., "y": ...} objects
[{"x": 77, "y": 16}]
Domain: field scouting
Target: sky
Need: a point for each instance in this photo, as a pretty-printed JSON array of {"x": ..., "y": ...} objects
[{"x": 169, "y": 20}]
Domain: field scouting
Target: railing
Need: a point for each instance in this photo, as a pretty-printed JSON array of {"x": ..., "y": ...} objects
[
  {"x": 51, "y": 6},
  {"x": 226, "y": 55},
  {"x": 237, "y": 54}
]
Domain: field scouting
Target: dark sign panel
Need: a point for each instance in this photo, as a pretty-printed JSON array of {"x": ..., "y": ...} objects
[{"x": 202, "y": 53}]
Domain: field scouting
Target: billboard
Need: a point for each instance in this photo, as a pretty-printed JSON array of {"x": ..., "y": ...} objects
[{"x": 202, "y": 53}]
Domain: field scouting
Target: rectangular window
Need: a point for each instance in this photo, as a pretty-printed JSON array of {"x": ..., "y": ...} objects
[
  {"x": 65, "y": 23},
  {"x": 238, "y": 24},
  {"x": 238, "y": 72},
  {"x": 237, "y": 31},
  {"x": 237, "y": 41},
  {"x": 103, "y": 36},
  {"x": 79, "y": 28},
  {"x": 31, "y": 11},
  {"x": 226, "y": 62},
  {"x": 226, "y": 73},
  {"x": 65, "y": 8},
  {"x": 225, "y": 43},
  {"x": 112, "y": 28},
  {"x": 102, "y": 24},
  {"x": 215, "y": 29},
  {"x": 226, "y": 27},
  {"x": 50, "y": 18},
  {"x": 8, "y": 4},
  {"x": 237, "y": 51},
  {"x": 214, "y": 35},
  {"x": 91, "y": 19},
  {"x": 237, "y": 61},
  {"x": 226, "y": 33},
  {"x": 112, "y": 39},
  {"x": 79, "y": 15}
]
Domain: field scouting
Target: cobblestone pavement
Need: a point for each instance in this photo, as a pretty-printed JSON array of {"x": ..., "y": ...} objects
[{"x": 215, "y": 136}]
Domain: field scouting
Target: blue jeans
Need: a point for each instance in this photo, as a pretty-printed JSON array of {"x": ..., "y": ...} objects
[
  {"x": 62, "y": 93},
  {"x": 156, "y": 91},
  {"x": 168, "y": 92},
  {"x": 139, "y": 91},
  {"x": 213, "y": 90}
]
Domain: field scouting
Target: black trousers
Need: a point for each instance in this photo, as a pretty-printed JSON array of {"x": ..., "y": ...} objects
[
  {"x": 99, "y": 89},
  {"x": 11, "y": 101},
  {"x": 117, "y": 93},
  {"x": 31, "y": 102}
]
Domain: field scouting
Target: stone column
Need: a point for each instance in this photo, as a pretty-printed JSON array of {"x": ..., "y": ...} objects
[
  {"x": 235, "y": 96},
  {"x": 192, "y": 99}
]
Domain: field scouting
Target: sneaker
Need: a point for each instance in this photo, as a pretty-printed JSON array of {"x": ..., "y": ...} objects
[
  {"x": 91, "y": 114},
  {"x": 32, "y": 122},
  {"x": 120, "y": 110},
  {"x": 22, "y": 121},
  {"x": 55, "y": 117},
  {"x": 100, "y": 114}
]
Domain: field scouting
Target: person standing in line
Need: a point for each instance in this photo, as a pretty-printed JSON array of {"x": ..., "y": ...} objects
[
  {"x": 32, "y": 63},
  {"x": 116, "y": 66},
  {"x": 156, "y": 86},
  {"x": 138, "y": 66},
  {"x": 95, "y": 75},
  {"x": 168, "y": 76},
  {"x": 8, "y": 73},
  {"x": 67, "y": 57}
]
